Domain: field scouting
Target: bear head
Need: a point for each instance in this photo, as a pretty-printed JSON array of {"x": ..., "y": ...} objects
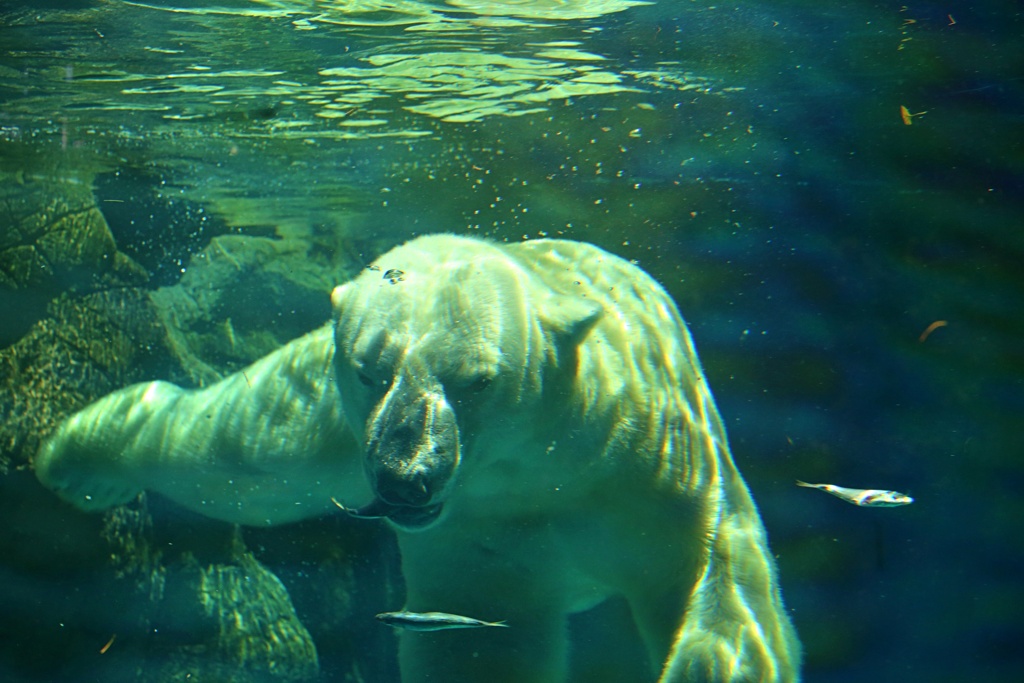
[{"x": 444, "y": 350}]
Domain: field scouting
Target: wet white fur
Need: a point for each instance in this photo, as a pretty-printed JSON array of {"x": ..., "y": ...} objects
[{"x": 594, "y": 465}]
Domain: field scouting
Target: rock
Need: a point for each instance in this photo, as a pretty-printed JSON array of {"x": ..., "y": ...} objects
[
  {"x": 85, "y": 347},
  {"x": 56, "y": 239},
  {"x": 241, "y": 298}
]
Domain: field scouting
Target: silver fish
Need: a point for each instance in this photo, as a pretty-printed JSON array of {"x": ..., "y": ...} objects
[
  {"x": 433, "y": 621},
  {"x": 868, "y": 498}
]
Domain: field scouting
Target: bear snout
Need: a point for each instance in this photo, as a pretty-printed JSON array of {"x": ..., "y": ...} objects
[
  {"x": 412, "y": 447},
  {"x": 412, "y": 472},
  {"x": 411, "y": 491}
]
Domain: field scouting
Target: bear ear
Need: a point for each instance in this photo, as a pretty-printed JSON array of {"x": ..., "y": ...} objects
[
  {"x": 570, "y": 318},
  {"x": 338, "y": 297}
]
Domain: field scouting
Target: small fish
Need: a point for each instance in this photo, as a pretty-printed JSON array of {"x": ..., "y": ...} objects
[
  {"x": 869, "y": 498},
  {"x": 433, "y": 621}
]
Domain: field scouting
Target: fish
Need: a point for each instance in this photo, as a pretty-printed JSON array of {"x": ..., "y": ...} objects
[
  {"x": 433, "y": 621},
  {"x": 868, "y": 498}
]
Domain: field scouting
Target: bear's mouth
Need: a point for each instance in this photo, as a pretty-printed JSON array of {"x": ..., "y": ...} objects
[{"x": 410, "y": 517}]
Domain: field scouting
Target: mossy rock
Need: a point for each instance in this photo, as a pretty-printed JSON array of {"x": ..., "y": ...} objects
[
  {"x": 54, "y": 239},
  {"x": 243, "y": 297},
  {"x": 84, "y": 348}
]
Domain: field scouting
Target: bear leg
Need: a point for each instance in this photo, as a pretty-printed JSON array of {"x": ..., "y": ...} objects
[
  {"x": 735, "y": 628},
  {"x": 88, "y": 460}
]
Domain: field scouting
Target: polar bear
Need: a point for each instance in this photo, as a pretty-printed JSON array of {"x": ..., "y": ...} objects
[{"x": 533, "y": 421}]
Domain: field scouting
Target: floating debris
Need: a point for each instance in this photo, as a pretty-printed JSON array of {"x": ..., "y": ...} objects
[
  {"x": 103, "y": 650},
  {"x": 931, "y": 328},
  {"x": 907, "y": 117}
]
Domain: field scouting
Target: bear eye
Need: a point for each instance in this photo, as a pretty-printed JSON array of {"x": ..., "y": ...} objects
[
  {"x": 368, "y": 381},
  {"x": 479, "y": 384}
]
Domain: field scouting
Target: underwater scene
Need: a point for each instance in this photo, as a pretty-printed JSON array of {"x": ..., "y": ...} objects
[{"x": 339, "y": 341}]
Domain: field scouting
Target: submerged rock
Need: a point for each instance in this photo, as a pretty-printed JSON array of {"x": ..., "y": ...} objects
[
  {"x": 241, "y": 298},
  {"x": 191, "y": 602},
  {"x": 84, "y": 347},
  {"x": 208, "y": 613},
  {"x": 55, "y": 239}
]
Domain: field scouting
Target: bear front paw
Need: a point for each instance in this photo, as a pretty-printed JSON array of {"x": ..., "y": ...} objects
[
  {"x": 95, "y": 495},
  {"x": 88, "y": 483},
  {"x": 744, "y": 658}
]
